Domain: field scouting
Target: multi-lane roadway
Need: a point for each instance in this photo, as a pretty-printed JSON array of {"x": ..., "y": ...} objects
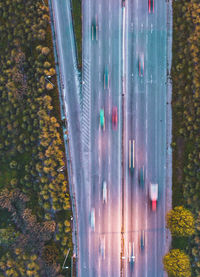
[
  {"x": 103, "y": 38},
  {"x": 123, "y": 136},
  {"x": 127, "y": 56}
]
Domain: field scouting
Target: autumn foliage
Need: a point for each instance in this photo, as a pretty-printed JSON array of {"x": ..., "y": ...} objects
[
  {"x": 181, "y": 222},
  {"x": 177, "y": 264},
  {"x": 186, "y": 123},
  {"x": 34, "y": 194}
]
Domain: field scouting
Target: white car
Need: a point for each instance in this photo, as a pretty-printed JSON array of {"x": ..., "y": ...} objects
[
  {"x": 141, "y": 65},
  {"x": 153, "y": 195},
  {"x": 131, "y": 158},
  {"x": 104, "y": 191},
  {"x": 131, "y": 251},
  {"x": 92, "y": 219}
]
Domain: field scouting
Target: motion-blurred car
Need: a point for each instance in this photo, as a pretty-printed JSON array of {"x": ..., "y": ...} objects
[
  {"x": 131, "y": 156},
  {"x": 102, "y": 246},
  {"x": 141, "y": 176},
  {"x": 151, "y": 6},
  {"x": 104, "y": 192},
  {"x": 102, "y": 118},
  {"x": 141, "y": 65},
  {"x": 106, "y": 79},
  {"x": 131, "y": 251},
  {"x": 153, "y": 195},
  {"x": 114, "y": 118},
  {"x": 142, "y": 240},
  {"x": 92, "y": 219},
  {"x": 94, "y": 31}
]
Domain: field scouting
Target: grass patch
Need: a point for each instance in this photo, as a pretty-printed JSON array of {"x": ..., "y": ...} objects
[
  {"x": 77, "y": 22},
  {"x": 180, "y": 243}
]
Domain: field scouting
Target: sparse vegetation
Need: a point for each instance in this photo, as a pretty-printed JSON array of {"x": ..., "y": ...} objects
[{"x": 77, "y": 21}]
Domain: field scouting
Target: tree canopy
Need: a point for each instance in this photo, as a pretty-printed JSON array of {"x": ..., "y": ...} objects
[
  {"x": 180, "y": 221},
  {"x": 177, "y": 264}
]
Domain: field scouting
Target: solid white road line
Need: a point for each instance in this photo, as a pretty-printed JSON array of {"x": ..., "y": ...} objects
[
  {"x": 101, "y": 137},
  {"x": 156, "y": 156},
  {"x": 119, "y": 136},
  {"x": 109, "y": 218},
  {"x": 125, "y": 140},
  {"x": 146, "y": 159},
  {"x": 136, "y": 223}
]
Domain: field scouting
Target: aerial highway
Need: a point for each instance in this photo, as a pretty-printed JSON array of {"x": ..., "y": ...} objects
[{"x": 121, "y": 200}]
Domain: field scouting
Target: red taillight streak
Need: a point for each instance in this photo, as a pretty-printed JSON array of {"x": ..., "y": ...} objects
[{"x": 154, "y": 205}]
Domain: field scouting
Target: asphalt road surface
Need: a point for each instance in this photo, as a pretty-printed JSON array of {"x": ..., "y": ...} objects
[
  {"x": 117, "y": 41},
  {"x": 146, "y": 125},
  {"x": 144, "y": 122},
  {"x": 103, "y": 37}
]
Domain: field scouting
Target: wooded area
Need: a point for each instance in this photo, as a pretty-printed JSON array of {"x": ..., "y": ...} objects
[
  {"x": 186, "y": 121},
  {"x": 34, "y": 197}
]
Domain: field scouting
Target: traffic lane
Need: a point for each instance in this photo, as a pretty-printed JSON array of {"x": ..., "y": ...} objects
[
  {"x": 111, "y": 176},
  {"x": 152, "y": 141},
  {"x": 64, "y": 38},
  {"x": 104, "y": 96},
  {"x": 100, "y": 215},
  {"x": 65, "y": 35},
  {"x": 96, "y": 236},
  {"x": 107, "y": 94},
  {"x": 129, "y": 122},
  {"x": 140, "y": 141},
  {"x": 138, "y": 196},
  {"x": 160, "y": 145},
  {"x": 115, "y": 129},
  {"x": 104, "y": 214},
  {"x": 102, "y": 158},
  {"x": 141, "y": 132},
  {"x": 97, "y": 133},
  {"x": 152, "y": 178},
  {"x": 83, "y": 245},
  {"x": 111, "y": 233},
  {"x": 115, "y": 212},
  {"x": 105, "y": 31},
  {"x": 161, "y": 73},
  {"x": 131, "y": 210},
  {"x": 69, "y": 82},
  {"x": 132, "y": 187},
  {"x": 106, "y": 217}
]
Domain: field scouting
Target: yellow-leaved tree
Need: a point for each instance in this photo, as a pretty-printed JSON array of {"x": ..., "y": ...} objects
[
  {"x": 177, "y": 264},
  {"x": 180, "y": 221}
]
